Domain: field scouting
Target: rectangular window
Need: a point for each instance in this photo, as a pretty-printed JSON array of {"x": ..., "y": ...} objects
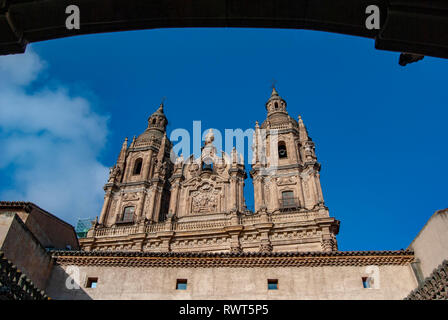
[
  {"x": 92, "y": 282},
  {"x": 128, "y": 215},
  {"x": 288, "y": 199},
  {"x": 366, "y": 282},
  {"x": 272, "y": 284},
  {"x": 181, "y": 284}
]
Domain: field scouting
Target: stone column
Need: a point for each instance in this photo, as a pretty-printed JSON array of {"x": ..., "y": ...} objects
[
  {"x": 157, "y": 200},
  {"x": 241, "y": 194},
  {"x": 118, "y": 208},
  {"x": 275, "y": 194},
  {"x": 141, "y": 205},
  {"x": 300, "y": 191},
  {"x": 233, "y": 204},
  {"x": 105, "y": 208},
  {"x": 147, "y": 166},
  {"x": 313, "y": 186},
  {"x": 174, "y": 198},
  {"x": 128, "y": 169},
  {"x": 258, "y": 194},
  {"x": 320, "y": 195},
  {"x": 150, "y": 211}
]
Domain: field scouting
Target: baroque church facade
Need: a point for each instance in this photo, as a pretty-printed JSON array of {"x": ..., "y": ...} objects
[
  {"x": 178, "y": 228},
  {"x": 155, "y": 204}
]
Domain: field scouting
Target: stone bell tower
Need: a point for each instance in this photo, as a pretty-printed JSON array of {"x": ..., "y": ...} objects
[
  {"x": 137, "y": 190},
  {"x": 285, "y": 170}
]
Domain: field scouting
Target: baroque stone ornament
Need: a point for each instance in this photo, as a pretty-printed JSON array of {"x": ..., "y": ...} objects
[
  {"x": 176, "y": 204},
  {"x": 265, "y": 247},
  {"x": 205, "y": 199},
  {"x": 114, "y": 171}
]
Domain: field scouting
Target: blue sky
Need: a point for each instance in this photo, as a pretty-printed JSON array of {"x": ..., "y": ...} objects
[{"x": 379, "y": 128}]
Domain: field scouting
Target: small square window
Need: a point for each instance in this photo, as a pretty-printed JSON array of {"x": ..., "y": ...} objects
[
  {"x": 366, "y": 282},
  {"x": 272, "y": 284},
  {"x": 181, "y": 284},
  {"x": 92, "y": 282}
]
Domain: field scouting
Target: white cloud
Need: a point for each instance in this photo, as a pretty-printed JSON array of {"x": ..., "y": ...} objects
[{"x": 49, "y": 142}]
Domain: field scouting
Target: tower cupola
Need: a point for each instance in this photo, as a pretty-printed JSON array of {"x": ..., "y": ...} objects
[
  {"x": 275, "y": 103},
  {"x": 156, "y": 129}
]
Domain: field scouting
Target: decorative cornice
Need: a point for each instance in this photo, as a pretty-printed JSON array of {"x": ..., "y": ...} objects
[
  {"x": 232, "y": 259},
  {"x": 145, "y": 183}
]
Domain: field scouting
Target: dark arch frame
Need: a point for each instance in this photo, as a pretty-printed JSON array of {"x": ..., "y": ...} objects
[{"x": 417, "y": 26}]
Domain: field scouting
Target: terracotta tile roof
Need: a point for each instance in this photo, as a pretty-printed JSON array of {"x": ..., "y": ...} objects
[
  {"x": 246, "y": 259},
  {"x": 434, "y": 287}
]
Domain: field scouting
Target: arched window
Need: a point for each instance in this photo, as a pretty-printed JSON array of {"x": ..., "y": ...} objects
[
  {"x": 137, "y": 166},
  {"x": 154, "y": 121},
  {"x": 128, "y": 214},
  {"x": 288, "y": 199},
  {"x": 282, "y": 150},
  {"x": 276, "y": 105}
]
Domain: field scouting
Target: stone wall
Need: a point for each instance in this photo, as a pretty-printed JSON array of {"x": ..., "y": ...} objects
[
  {"x": 431, "y": 244},
  {"x": 310, "y": 275},
  {"x": 342, "y": 282},
  {"x": 48, "y": 229},
  {"x": 21, "y": 247}
]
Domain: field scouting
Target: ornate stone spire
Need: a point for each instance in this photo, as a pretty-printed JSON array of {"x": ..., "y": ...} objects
[
  {"x": 122, "y": 155},
  {"x": 159, "y": 111},
  {"x": 302, "y": 130},
  {"x": 158, "y": 119}
]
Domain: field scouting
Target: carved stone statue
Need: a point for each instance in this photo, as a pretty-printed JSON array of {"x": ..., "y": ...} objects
[{"x": 113, "y": 173}]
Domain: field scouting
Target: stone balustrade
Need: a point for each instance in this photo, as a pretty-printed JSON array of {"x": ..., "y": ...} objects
[{"x": 244, "y": 220}]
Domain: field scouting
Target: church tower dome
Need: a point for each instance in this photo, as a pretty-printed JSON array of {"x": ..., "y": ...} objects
[
  {"x": 275, "y": 103},
  {"x": 277, "y": 114},
  {"x": 156, "y": 129}
]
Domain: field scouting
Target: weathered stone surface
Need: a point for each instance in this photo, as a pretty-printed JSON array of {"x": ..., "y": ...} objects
[{"x": 200, "y": 201}]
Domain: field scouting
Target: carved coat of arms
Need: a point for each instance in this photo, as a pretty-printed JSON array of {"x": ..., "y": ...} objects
[{"x": 205, "y": 199}]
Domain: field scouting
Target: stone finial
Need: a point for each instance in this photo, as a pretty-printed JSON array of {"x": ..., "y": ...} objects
[
  {"x": 302, "y": 130},
  {"x": 234, "y": 155},
  {"x": 209, "y": 137}
]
